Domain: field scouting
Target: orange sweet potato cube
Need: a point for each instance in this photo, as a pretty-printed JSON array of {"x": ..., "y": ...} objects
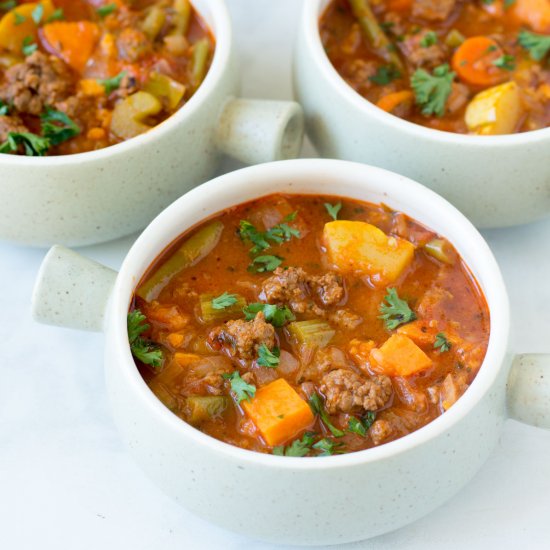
[
  {"x": 278, "y": 412},
  {"x": 400, "y": 356}
]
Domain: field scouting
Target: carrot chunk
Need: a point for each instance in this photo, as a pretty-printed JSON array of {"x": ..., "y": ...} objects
[
  {"x": 535, "y": 13},
  {"x": 391, "y": 101},
  {"x": 74, "y": 42},
  {"x": 474, "y": 62},
  {"x": 421, "y": 332},
  {"x": 399, "y": 356},
  {"x": 278, "y": 412}
]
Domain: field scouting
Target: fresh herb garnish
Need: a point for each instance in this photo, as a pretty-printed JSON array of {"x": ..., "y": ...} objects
[
  {"x": 35, "y": 146},
  {"x": 4, "y": 109},
  {"x": 276, "y": 315},
  {"x": 241, "y": 389},
  {"x": 268, "y": 358},
  {"x": 360, "y": 426},
  {"x": 442, "y": 343},
  {"x": 333, "y": 209},
  {"x": 318, "y": 408},
  {"x": 429, "y": 39},
  {"x": 261, "y": 239},
  {"x": 506, "y": 62},
  {"x": 328, "y": 447},
  {"x": 144, "y": 351},
  {"x": 224, "y": 300},
  {"x": 8, "y": 5},
  {"x": 28, "y": 47},
  {"x": 299, "y": 447},
  {"x": 432, "y": 90},
  {"x": 57, "y": 127},
  {"x": 385, "y": 74},
  {"x": 37, "y": 13},
  {"x": 261, "y": 264},
  {"x": 105, "y": 10},
  {"x": 18, "y": 18},
  {"x": 57, "y": 15},
  {"x": 113, "y": 83},
  {"x": 538, "y": 45},
  {"x": 396, "y": 311}
]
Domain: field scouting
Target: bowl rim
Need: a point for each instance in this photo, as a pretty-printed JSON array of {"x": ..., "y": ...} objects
[
  {"x": 311, "y": 13},
  {"x": 221, "y": 29},
  {"x": 236, "y": 185}
]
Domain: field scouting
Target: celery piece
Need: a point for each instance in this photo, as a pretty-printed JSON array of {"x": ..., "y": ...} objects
[
  {"x": 441, "y": 250},
  {"x": 201, "y": 408},
  {"x": 192, "y": 251},
  {"x": 182, "y": 17},
  {"x": 153, "y": 22},
  {"x": 164, "y": 87},
  {"x": 313, "y": 333},
  {"x": 210, "y": 313},
  {"x": 454, "y": 39},
  {"x": 201, "y": 51}
]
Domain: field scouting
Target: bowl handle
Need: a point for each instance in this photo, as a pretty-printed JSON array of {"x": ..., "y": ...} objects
[
  {"x": 71, "y": 291},
  {"x": 529, "y": 390},
  {"x": 256, "y": 131}
]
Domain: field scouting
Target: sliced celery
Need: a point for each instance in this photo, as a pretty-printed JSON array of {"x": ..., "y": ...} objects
[
  {"x": 201, "y": 51},
  {"x": 210, "y": 313},
  {"x": 201, "y": 408},
  {"x": 441, "y": 250},
  {"x": 454, "y": 39},
  {"x": 192, "y": 251},
  {"x": 166, "y": 88},
  {"x": 313, "y": 333},
  {"x": 153, "y": 22},
  {"x": 182, "y": 16}
]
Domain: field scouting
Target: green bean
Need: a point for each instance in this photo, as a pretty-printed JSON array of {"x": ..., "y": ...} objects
[
  {"x": 374, "y": 32},
  {"x": 182, "y": 17}
]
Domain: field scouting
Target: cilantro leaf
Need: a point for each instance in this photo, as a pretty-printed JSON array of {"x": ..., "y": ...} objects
[
  {"x": 396, "y": 311},
  {"x": 429, "y": 39},
  {"x": 224, "y": 300},
  {"x": 360, "y": 426},
  {"x": 144, "y": 351},
  {"x": 318, "y": 408},
  {"x": 261, "y": 264},
  {"x": 28, "y": 47},
  {"x": 298, "y": 448},
  {"x": 37, "y": 13},
  {"x": 8, "y": 5},
  {"x": 442, "y": 343},
  {"x": 276, "y": 315},
  {"x": 57, "y": 15},
  {"x": 328, "y": 447},
  {"x": 538, "y": 45},
  {"x": 268, "y": 358},
  {"x": 385, "y": 74},
  {"x": 333, "y": 209},
  {"x": 106, "y": 9},
  {"x": 241, "y": 389},
  {"x": 505, "y": 62},
  {"x": 261, "y": 239},
  {"x": 113, "y": 83},
  {"x": 35, "y": 146},
  {"x": 432, "y": 90},
  {"x": 18, "y": 18},
  {"x": 57, "y": 127},
  {"x": 4, "y": 109}
]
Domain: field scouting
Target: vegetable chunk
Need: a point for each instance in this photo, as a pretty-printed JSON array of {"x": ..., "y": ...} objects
[
  {"x": 362, "y": 248},
  {"x": 278, "y": 412},
  {"x": 400, "y": 356},
  {"x": 495, "y": 111}
]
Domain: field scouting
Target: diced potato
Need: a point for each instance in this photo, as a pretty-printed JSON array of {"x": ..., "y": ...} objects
[
  {"x": 130, "y": 114},
  {"x": 362, "y": 248},
  {"x": 18, "y": 25},
  {"x": 278, "y": 412},
  {"x": 399, "y": 356},
  {"x": 495, "y": 111}
]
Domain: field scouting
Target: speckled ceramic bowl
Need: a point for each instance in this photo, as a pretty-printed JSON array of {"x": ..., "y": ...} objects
[
  {"x": 299, "y": 500},
  {"x": 101, "y": 195},
  {"x": 494, "y": 180}
]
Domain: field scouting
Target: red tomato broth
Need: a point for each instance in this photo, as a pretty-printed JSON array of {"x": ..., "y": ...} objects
[{"x": 446, "y": 295}]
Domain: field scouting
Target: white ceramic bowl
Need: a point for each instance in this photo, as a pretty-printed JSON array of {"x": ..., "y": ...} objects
[
  {"x": 299, "y": 500},
  {"x": 494, "y": 180},
  {"x": 101, "y": 195}
]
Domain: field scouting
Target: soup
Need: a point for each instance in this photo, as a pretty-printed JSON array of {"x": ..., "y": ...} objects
[
  {"x": 308, "y": 326},
  {"x": 471, "y": 67},
  {"x": 79, "y": 75}
]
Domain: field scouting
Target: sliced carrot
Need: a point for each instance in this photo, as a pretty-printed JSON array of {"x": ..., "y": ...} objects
[
  {"x": 74, "y": 42},
  {"x": 399, "y": 356},
  {"x": 389, "y": 102},
  {"x": 278, "y": 412},
  {"x": 535, "y": 13},
  {"x": 473, "y": 61}
]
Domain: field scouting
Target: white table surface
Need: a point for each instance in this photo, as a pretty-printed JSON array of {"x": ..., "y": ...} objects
[{"x": 66, "y": 481}]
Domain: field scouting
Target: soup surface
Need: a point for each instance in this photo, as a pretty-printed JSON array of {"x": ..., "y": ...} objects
[
  {"x": 79, "y": 75},
  {"x": 466, "y": 66},
  {"x": 307, "y": 326}
]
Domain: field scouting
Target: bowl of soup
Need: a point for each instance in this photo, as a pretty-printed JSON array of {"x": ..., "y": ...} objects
[
  {"x": 294, "y": 344},
  {"x": 453, "y": 94},
  {"x": 109, "y": 111}
]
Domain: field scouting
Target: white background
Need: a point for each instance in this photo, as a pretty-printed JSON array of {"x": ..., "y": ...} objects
[{"x": 66, "y": 482}]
